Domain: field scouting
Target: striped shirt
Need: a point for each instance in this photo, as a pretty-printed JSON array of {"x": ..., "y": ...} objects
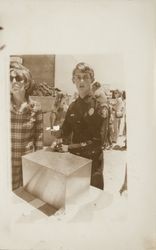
[{"x": 26, "y": 137}]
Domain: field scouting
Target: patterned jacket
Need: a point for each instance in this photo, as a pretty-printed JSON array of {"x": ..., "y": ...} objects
[{"x": 26, "y": 136}]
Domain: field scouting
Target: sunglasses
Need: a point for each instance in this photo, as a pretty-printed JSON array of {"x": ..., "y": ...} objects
[
  {"x": 18, "y": 79},
  {"x": 84, "y": 78}
]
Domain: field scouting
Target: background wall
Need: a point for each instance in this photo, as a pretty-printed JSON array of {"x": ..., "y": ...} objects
[{"x": 42, "y": 67}]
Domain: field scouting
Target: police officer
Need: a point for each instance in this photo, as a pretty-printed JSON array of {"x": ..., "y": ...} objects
[{"x": 81, "y": 129}]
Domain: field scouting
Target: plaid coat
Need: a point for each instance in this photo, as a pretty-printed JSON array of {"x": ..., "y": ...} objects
[{"x": 26, "y": 136}]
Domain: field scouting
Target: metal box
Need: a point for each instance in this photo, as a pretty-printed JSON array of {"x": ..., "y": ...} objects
[{"x": 55, "y": 177}]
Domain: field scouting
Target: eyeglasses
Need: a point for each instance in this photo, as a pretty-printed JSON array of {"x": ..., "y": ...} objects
[
  {"x": 17, "y": 79},
  {"x": 84, "y": 78}
]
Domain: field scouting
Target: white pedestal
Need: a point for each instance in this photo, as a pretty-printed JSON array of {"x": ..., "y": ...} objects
[{"x": 55, "y": 177}]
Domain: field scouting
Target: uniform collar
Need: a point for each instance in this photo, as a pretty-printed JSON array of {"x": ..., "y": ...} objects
[{"x": 86, "y": 99}]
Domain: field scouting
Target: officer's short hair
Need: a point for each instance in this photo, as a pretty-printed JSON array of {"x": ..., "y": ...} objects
[{"x": 85, "y": 68}]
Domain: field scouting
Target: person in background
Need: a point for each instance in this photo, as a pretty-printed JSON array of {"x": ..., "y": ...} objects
[
  {"x": 110, "y": 122},
  {"x": 59, "y": 110},
  {"x": 117, "y": 111},
  {"x": 123, "y": 119},
  {"x": 96, "y": 86},
  {"x": 99, "y": 93},
  {"x": 81, "y": 129},
  {"x": 26, "y": 120},
  {"x": 104, "y": 111}
]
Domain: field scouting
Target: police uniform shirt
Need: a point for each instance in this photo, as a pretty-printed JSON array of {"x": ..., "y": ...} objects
[{"x": 83, "y": 121}]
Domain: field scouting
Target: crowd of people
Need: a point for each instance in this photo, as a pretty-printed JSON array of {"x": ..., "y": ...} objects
[
  {"x": 90, "y": 124},
  {"x": 113, "y": 105}
]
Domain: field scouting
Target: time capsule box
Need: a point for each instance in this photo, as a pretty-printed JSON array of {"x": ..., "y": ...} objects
[{"x": 55, "y": 177}]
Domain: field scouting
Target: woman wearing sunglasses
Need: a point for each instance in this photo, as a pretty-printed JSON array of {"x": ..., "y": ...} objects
[{"x": 26, "y": 120}]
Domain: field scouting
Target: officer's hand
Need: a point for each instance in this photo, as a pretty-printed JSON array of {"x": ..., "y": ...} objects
[{"x": 57, "y": 146}]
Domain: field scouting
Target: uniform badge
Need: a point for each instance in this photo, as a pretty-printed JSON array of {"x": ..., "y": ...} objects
[{"x": 91, "y": 111}]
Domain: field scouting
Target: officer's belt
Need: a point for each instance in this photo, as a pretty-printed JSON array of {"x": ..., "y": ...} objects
[{"x": 80, "y": 145}]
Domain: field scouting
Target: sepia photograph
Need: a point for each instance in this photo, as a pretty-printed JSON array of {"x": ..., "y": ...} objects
[
  {"x": 68, "y": 129},
  {"x": 77, "y": 125}
]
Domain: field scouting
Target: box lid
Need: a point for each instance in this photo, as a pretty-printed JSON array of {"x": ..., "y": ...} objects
[{"x": 64, "y": 163}]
